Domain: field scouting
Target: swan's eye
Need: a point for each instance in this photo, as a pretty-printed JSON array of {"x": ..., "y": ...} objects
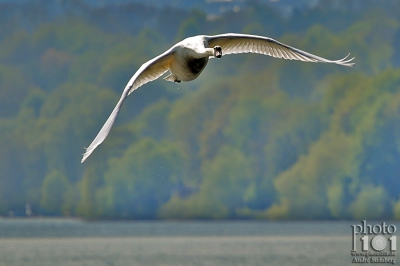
[{"x": 218, "y": 51}]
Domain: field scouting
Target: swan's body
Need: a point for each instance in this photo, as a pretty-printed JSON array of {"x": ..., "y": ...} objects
[{"x": 187, "y": 59}]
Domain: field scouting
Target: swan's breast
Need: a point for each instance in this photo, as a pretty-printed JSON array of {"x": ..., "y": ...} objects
[
  {"x": 196, "y": 65},
  {"x": 187, "y": 68}
]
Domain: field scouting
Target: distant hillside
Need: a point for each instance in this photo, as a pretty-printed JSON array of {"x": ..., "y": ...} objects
[{"x": 253, "y": 137}]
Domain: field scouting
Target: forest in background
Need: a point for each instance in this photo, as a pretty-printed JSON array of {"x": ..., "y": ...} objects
[{"x": 252, "y": 138}]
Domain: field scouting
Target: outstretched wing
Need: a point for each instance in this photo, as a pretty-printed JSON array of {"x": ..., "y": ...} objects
[
  {"x": 149, "y": 71},
  {"x": 232, "y": 43}
]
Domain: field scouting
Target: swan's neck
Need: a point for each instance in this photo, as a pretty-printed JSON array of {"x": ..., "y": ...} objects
[
  {"x": 200, "y": 53},
  {"x": 209, "y": 52}
]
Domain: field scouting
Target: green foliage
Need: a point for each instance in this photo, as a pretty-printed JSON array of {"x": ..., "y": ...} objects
[
  {"x": 13, "y": 89},
  {"x": 141, "y": 180},
  {"x": 370, "y": 198},
  {"x": 303, "y": 188},
  {"x": 225, "y": 188},
  {"x": 252, "y": 137},
  {"x": 192, "y": 25},
  {"x": 54, "y": 191}
]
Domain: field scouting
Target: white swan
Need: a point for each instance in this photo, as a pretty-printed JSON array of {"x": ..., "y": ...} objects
[{"x": 187, "y": 59}]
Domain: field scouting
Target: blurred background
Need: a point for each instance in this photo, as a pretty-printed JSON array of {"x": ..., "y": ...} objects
[{"x": 253, "y": 137}]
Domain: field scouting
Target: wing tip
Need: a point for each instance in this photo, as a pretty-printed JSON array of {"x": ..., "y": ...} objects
[
  {"x": 345, "y": 62},
  {"x": 86, "y": 155}
]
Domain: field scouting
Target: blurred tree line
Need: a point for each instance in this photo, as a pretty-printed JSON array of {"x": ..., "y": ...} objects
[{"x": 252, "y": 137}]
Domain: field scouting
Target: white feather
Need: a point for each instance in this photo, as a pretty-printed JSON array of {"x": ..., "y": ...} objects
[{"x": 178, "y": 57}]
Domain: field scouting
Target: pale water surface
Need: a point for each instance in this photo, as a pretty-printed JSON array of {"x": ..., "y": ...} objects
[{"x": 73, "y": 242}]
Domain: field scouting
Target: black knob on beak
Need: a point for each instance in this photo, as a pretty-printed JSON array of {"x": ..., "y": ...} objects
[{"x": 217, "y": 51}]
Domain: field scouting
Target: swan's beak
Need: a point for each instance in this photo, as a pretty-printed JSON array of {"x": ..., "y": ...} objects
[{"x": 217, "y": 52}]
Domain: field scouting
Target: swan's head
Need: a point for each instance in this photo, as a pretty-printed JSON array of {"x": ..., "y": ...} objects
[{"x": 217, "y": 51}]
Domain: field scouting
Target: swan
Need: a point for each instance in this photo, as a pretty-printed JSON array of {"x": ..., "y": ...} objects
[{"x": 186, "y": 60}]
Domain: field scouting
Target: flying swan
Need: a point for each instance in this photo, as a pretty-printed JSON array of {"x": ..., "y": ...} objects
[{"x": 187, "y": 59}]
